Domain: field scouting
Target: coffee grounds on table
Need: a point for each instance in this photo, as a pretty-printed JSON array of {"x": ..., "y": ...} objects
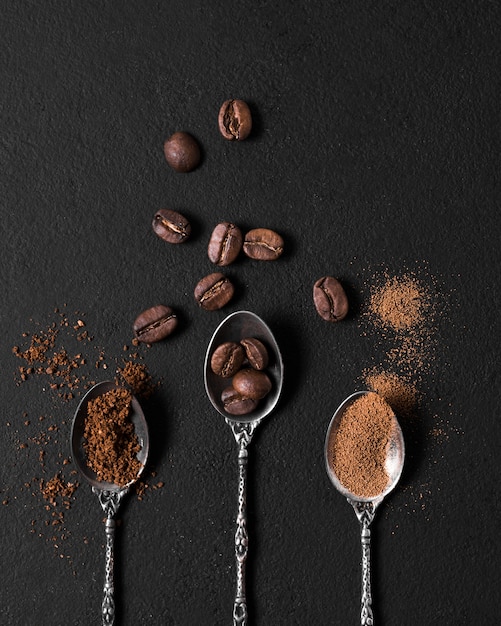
[
  {"x": 110, "y": 442},
  {"x": 357, "y": 451},
  {"x": 137, "y": 378},
  {"x": 61, "y": 357}
]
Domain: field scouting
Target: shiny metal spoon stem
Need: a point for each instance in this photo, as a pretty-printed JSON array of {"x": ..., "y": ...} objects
[
  {"x": 365, "y": 508},
  {"x": 109, "y": 494},
  {"x": 235, "y": 327},
  {"x": 243, "y": 435}
]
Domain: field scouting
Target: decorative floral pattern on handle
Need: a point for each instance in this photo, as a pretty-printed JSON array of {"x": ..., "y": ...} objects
[
  {"x": 365, "y": 512},
  {"x": 110, "y": 501},
  {"x": 243, "y": 434}
]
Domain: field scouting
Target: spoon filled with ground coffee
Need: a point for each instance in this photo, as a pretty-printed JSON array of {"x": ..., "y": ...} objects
[
  {"x": 364, "y": 456},
  {"x": 109, "y": 444},
  {"x": 243, "y": 378}
]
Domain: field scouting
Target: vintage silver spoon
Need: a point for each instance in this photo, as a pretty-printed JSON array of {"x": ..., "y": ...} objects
[
  {"x": 109, "y": 494},
  {"x": 365, "y": 508},
  {"x": 235, "y": 327}
]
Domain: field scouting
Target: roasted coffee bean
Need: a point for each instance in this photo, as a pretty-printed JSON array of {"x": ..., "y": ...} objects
[
  {"x": 227, "y": 359},
  {"x": 235, "y": 120},
  {"x": 171, "y": 226},
  {"x": 214, "y": 291},
  {"x": 155, "y": 324},
  {"x": 256, "y": 353},
  {"x": 251, "y": 383},
  {"x": 225, "y": 243},
  {"x": 182, "y": 152},
  {"x": 263, "y": 244},
  {"x": 236, "y": 404},
  {"x": 330, "y": 299}
]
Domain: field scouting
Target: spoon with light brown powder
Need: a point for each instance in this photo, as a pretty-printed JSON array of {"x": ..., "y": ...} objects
[
  {"x": 109, "y": 444},
  {"x": 364, "y": 456}
]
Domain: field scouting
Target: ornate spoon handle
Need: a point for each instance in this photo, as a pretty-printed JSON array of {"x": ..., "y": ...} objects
[
  {"x": 108, "y": 606},
  {"x": 366, "y": 617},
  {"x": 365, "y": 512},
  {"x": 243, "y": 434},
  {"x": 110, "y": 501}
]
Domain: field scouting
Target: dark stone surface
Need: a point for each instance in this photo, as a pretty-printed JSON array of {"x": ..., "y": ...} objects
[{"x": 375, "y": 147}]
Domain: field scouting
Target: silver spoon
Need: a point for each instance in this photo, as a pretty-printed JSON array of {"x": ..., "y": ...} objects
[
  {"x": 110, "y": 495},
  {"x": 235, "y": 327},
  {"x": 365, "y": 508}
]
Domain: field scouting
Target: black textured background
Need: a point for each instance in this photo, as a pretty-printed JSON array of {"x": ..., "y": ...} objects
[{"x": 375, "y": 147}]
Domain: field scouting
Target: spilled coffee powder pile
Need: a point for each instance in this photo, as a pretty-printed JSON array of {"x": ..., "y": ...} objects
[
  {"x": 358, "y": 448},
  {"x": 135, "y": 375},
  {"x": 401, "y": 303},
  {"x": 402, "y": 311},
  {"x": 401, "y": 394},
  {"x": 110, "y": 442}
]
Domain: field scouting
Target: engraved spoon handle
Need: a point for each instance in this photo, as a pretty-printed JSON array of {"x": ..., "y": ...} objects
[
  {"x": 366, "y": 617},
  {"x": 108, "y": 606},
  {"x": 241, "y": 538}
]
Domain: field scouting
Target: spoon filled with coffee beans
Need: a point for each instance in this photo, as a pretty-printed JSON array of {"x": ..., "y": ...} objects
[
  {"x": 364, "y": 456},
  {"x": 243, "y": 378},
  {"x": 109, "y": 444}
]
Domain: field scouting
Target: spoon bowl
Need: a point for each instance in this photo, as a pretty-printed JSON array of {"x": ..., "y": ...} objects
[
  {"x": 365, "y": 506},
  {"x": 109, "y": 494},
  {"x": 395, "y": 453},
  {"x": 136, "y": 416},
  {"x": 235, "y": 327}
]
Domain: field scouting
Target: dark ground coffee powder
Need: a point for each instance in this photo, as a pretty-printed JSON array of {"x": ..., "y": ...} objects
[{"x": 110, "y": 443}]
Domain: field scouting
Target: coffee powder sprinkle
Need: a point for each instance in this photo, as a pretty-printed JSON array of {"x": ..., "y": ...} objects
[
  {"x": 137, "y": 378},
  {"x": 358, "y": 447},
  {"x": 110, "y": 442},
  {"x": 399, "y": 392},
  {"x": 402, "y": 311},
  {"x": 401, "y": 303}
]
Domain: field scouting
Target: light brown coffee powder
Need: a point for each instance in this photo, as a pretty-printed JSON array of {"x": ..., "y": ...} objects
[{"x": 358, "y": 448}]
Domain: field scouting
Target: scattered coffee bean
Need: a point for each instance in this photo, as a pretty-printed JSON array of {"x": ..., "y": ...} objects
[
  {"x": 330, "y": 299},
  {"x": 235, "y": 120},
  {"x": 227, "y": 359},
  {"x": 171, "y": 226},
  {"x": 256, "y": 353},
  {"x": 155, "y": 324},
  {"x": 214, "y": 291},
  {"x": 251, "y": 383},
  {"x": 236, "y": 404},
  {"x": 263, "y": 244},
  {"x": 225, "y": 243},
  {"x": 182, "y": 152}
]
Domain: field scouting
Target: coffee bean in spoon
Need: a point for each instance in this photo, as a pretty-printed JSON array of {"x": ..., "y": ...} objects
[
  {"x": 256, "y": 353},
  {"x": 252, "y": 383},
  {"x": 227, "y": 359},
  {"x": 236, "y": 404}
]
